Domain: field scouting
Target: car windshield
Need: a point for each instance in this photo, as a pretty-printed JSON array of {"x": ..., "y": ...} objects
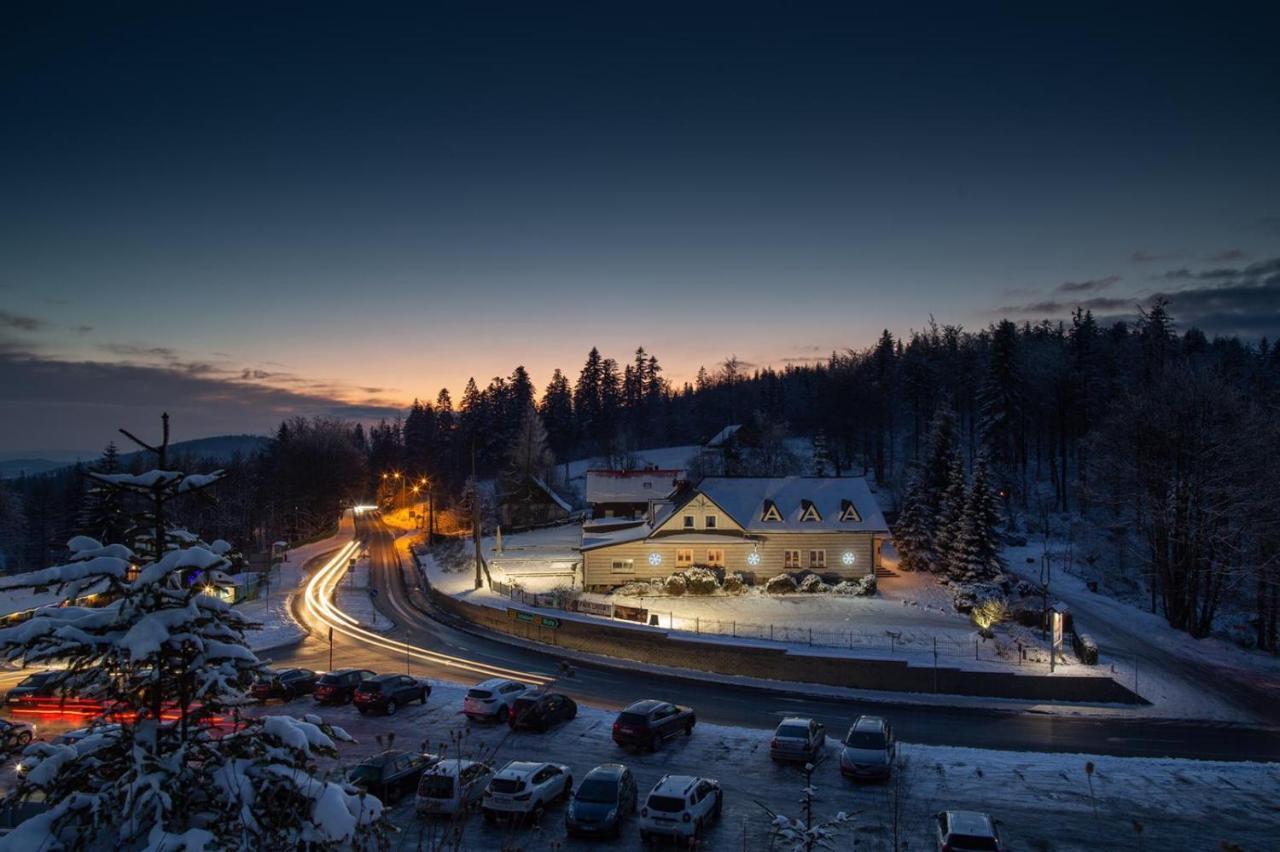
[
  {"x": 865, "y": 739},
  {"x": 370, "y": 686},
  {"x": 632, "y": 719},
  {"x": 793, "y": 732},
  {"x": 482, "y": 694},
  {"x": 333, "y": 679},
  {"x": 971, "y": 843},
  {"x": 436, "y": 787},
  {"x": 506, "y": 785},
  {"x": 666, "y": 804},
  {"x": 600, "y": 790},
  {"x": 37, "y": 679},
  {"x": 364, "y": 773}
]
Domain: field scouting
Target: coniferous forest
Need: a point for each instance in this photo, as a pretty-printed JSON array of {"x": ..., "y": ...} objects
[{"x": 1156, "y": 440}]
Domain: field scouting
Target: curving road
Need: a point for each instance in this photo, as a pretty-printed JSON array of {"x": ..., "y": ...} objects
[{"x": 429, "y": 645}]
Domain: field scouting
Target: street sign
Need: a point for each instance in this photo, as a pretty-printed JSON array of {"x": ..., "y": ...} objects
[{"x": 534, "y": 619}]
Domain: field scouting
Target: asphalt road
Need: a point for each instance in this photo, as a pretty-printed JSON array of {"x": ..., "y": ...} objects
[{"x": 613, "y": 688}]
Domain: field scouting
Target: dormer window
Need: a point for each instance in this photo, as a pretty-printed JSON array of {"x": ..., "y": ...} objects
[
  {"x": 809, "y": 512},
  {"x": 770, "y": 512},
  {"x": 848, "y": 512}
]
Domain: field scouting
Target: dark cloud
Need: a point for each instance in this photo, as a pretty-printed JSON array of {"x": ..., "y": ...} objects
[
  {"x": 81, "y": 404},
  {"x": 20, "y": 322},
  {"x": 1228, "y": 255},
  {"x": 1089, "y": 286},
  {"x": 1243, "y": 301},
  {"x": 130, "y": 350}
]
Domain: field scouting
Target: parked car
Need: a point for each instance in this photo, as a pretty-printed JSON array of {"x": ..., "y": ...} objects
[
  {"x": 524, "y": 789},
  {"x": 38, "y": 685},
  {"x": 646, "y": 724},
  {"x": 452, "y": 787},
  {"x": 15, "y": 735},
  {"x": 339, "y": 686},
  {"x": 492, "y": 699},
  {"x": 388, "y": 692},
  {"x": 541, "y": 712},
  {"x": 285, "y": 685},
  {"x": 602, "y": 802},
  {"x": 798, "y": 739},
  {"x": 869, "y": 749},
  {"x": 967, "y": 831},
  {"x": 77, "y": 734},
  {"x": 680, "y": 807},
  {"x": 391, "y": 774}
]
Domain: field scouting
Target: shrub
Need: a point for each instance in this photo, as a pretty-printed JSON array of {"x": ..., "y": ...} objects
[
  {"x": 990, "y": 612},
  {"x": 969, "y": 595},
  {"x": 676, "y": 585},
  {"x": 734, "y": 584},
  {"x": 700, "y": 581},
  {"x": 812, "y": 585},
  {"x": 635, "y": 589},
  {"x": 780, "y": 585},
  {"x": 1086, "y": 649}
]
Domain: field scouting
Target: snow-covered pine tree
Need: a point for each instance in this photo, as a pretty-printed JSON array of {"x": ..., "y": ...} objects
[
  {"x": 169, "y": 662},
  {"x": 978, "y": 554},
  {"x": 947, "y": 534},
  {"x": 911, "y": 530},
  {"x": 916, "y": 532}
]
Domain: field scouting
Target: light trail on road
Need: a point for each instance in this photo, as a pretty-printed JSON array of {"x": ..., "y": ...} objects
[{"x": 317, "y": 600}]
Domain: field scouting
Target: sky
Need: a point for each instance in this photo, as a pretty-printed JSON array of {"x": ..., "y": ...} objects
[{"x": 244, "y": 211}]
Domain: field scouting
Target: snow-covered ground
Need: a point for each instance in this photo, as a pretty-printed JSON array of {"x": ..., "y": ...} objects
[
  {"x": 901, "y": 621},
  {"x": 1182, "y": 674},
  {"x": 1043, "y": 800},
  {"x": 354, "y": 597}
]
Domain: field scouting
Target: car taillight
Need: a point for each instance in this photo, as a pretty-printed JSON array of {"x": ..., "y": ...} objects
[{"x": 616, "y": 726}]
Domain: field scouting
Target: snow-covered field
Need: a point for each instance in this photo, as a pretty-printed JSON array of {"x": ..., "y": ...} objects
[{"x": 1043, "y": 799}]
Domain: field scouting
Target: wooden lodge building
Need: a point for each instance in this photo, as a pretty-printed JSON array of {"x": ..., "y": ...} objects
[{"x": 757, "y": 526}]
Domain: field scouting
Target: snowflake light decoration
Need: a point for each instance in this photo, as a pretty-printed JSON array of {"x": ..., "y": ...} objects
[
  {"x": 655, "y": 559},
  {"x": 848, "y": 558},
  {"x": 753, "y": 558}
]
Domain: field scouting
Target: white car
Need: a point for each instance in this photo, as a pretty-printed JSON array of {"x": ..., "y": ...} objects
[
  {"x": 680, "y": 807},
  {"x": 452, "y": 787},
  {"x": 15, "y": 736},
  {"x": 492, "y": 699},
  {"x": 967, "y": 831},
  {"x": 522, "y": 789}
]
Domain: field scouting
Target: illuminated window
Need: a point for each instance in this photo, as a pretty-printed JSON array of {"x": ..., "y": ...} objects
[
  {"x": 791, "y": 559},
  {"x": 817, "y": 559},
  {"x": 684, "y": 557},
  {"x": 715, "y": 557},
  {"x": 624, "y": 566}
]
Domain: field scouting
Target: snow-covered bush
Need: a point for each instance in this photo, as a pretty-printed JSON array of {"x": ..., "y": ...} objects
[
  {"x": 1086, "y": 649},
  {"x": 700, "y": 581},
  {"x": 675, "y": 585},
  {"x": 966, "y": 596},
  {"x": 1027, "y": 589},
  {"x": 861, "y": 587},
  {"x": 635, "y": 589},
  {"x": 734, "y": 584},
  {"x": 783, "y": 584},
  {"x": 990, "y": 612},
  {"x": 812, "y": 584}
]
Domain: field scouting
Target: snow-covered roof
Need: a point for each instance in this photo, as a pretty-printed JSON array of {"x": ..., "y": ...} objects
[
  {"x": 723, "y": 435},
  {"x": 824, "y": 501},
  {"x": 632, "y": 486},
  {"x": 556, "y": 498},
  {"x": 592, "y": 539}
]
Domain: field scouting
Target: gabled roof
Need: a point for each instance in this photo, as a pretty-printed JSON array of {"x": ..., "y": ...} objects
[
  {"x": 632, "y": 486},
  {"x": 744, "y": 498}
]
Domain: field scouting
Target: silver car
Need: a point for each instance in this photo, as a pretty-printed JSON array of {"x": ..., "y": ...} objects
[
  {"x": 869, "y": 749},
  {"x": 798, "y": 739},
  {"x": 452, "y": 787}
]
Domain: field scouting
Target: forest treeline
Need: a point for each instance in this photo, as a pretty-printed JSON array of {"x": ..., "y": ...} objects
[{"x": 1164, "y": 435}]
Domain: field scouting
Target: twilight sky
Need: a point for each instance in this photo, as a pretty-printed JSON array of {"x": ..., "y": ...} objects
[{"x": 241, "y": 211}]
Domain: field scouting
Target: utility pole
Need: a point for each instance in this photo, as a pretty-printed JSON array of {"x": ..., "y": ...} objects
[{"x": 475, "y": 521}]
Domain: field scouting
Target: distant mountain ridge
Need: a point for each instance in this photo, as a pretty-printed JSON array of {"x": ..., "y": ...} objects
[{"x": 220, "y": 447}]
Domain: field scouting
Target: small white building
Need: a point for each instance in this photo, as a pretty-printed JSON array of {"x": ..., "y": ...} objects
[{"x": 629, "y": 493}]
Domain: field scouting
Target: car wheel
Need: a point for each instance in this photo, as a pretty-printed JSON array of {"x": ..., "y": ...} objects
[
  {"x": 719, "y": 805},
  {"x": 391, "y": 707},
  {"x": 697, "y": 832},
  {"x": 423, "y": 698},
  {"x": 688, "y": 730},
  {"x": 655, "y": 743},
  {"x": 537, "y": 813},
  {"x": 24, "y": 737},
  {"x": 568, "y": 790},
  {"x": 503, "y": 714},
  {"x": 573, "y": 712}
]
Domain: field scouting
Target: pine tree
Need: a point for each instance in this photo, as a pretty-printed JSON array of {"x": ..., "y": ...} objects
[
  {"x": 977, "y": 556},
  {"x": 104, "y": 516},
  {"x": 911, "y": 531},
  {"x": 171, "y": 661},
  {"x": 946, "y": 546},
  {"x": 557, "y": 416}
]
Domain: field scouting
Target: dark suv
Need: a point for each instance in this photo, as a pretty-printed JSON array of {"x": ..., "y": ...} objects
[
  {"x": 648, "y": 723},
  {"x": 541, "y": 712},
  {"x": 338, "y": 687},
  {"x": 388, "y": 692},
  {"x": 285, "y": 685}
]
